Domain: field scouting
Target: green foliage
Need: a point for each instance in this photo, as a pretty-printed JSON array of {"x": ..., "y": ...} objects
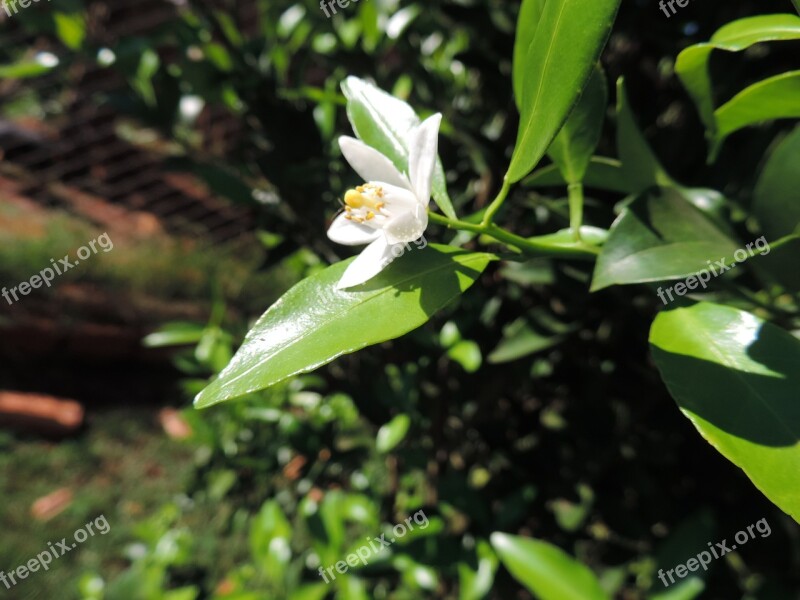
[
  {"x": 546, "y": 570},
  {"x": 693, "y": 67},
  {"x": 570, "y": 35},
  {"x": 774, "y": 202},
  {"x": 527, "y": 438},
  {"x": 660, "y": 236},
  {"x": 575, "y": 144},
  {"x": 334, "y": 322},
  {"x": 709, "y": 354}
]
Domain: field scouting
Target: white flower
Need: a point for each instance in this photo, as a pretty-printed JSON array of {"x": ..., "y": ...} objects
[{"x": 390, "y": 208}]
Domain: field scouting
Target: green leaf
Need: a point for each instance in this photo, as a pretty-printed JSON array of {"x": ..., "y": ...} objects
[
  {"x": 736, "y": 377},
  {"x": 686, "y": 540},
  {"x": 476, "y": 584},
  {"x": 781, "y": 262},
  {"x": 530, "y": 13},
  {"x": 775, "y": 195},
  {"x": 527, "y": 335},
  {"x": 314, "y": 322},
  {"x": 383, "y": 122},
  {"x": 639, "y": 164},
  {"x": 391, "y": 434},
  {"x": 660, "y": 236},
  {"x": 466, "y": 353},
  {"x": 570, "y": 34},
  {"x": 70, "y": 29},
  {"x": 25, "y": 69},
  {"x": 692, "y": 65},
  {"x": 175, "y": 334},
  {"x": 545, "y": 570},
  {"x": 774, "y": 98},
  {"x": 270, "y": 534},
  {"x": 574, "y": 145},
  {"x": 602, "y": 173}
]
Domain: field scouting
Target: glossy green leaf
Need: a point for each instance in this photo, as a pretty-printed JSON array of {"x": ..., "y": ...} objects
[
  {"x": 736, "y": 377},
  {"x": 383, "y": 122},
  {"x": 639, "y": 164},
  {"x": 602, "y": 173},
  {"x": 574, "y": 145},
  {"x": 569, "y": 38},
  {"x": 314, "y": 322},
  {"x": 774, "y": 98},
  {"x": 775, "y": 198},
  {"x": 391, "y": 434},
  {"x": 660, "y": 236},
  {"x": 530, "y": 13},
  {"x": 692, "y": 65},
  {"x": 545, "y": 570}
]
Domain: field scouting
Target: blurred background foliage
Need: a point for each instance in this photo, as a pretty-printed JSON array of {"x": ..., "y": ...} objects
[{"x": 565, "y": 435}]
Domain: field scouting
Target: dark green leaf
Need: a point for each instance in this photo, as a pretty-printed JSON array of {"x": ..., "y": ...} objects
[
  {"x": 660, "y": 236},
  {"x": 602, "y": 173},
  {"x": 314, "y": 322},
  {"x": 775, "y": 198},
  {"x": 570, "y": 36},
  {"x": 736, "y": 377},
  {"x": 640, "y": 165},
  {"x": 574, "y": 145}
]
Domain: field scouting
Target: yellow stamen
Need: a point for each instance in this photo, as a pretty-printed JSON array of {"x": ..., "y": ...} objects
[
  {"x": 354, "y": 199},
  {"x": 370, "y": 215}
]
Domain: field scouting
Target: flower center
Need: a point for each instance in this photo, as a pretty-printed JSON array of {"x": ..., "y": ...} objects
[{"x": 364, "y": 203}]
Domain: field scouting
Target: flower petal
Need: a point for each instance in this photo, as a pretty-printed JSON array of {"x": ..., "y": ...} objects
[
  {"x": 370, "y": 164},
  {"x": 349, "y": 233},
  {"x": 422, "y": 153},
  {"x": 407, "y": 226},
  {"x": 372, "y": 260}
]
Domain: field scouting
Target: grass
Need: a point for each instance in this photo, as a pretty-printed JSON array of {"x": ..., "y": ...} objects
[
  {"x": 123, "y": 467},
  {"x": 159, "y": 265}
]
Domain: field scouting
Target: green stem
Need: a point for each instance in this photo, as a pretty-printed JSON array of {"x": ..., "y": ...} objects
[
  {"x": 526, "y": 246},
  {"x": 575, "y": 191},
  {"x": 496, "y": 203}
]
